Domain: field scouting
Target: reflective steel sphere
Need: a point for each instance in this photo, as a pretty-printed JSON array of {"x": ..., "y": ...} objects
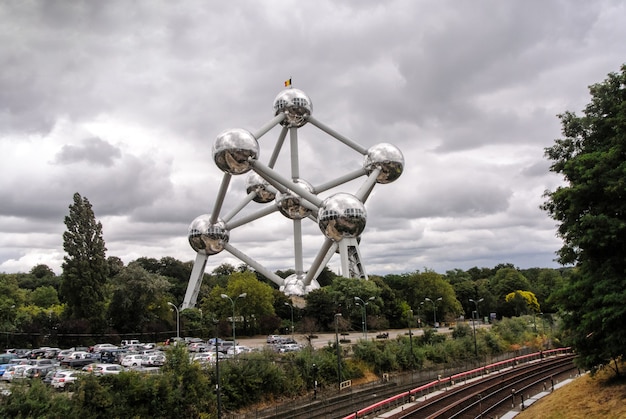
[
  {"x": 233, "y": 148},
  {"x": 290, "y": 203},
  {"x": 295, "y": 104},
  {"x": 207, "y": 238},
  {"x": 264, "y": 192},
  {"x": 390, "y": 160},
  {"x": 342, "y": 215},
  {"x": 294, "y": 285}
]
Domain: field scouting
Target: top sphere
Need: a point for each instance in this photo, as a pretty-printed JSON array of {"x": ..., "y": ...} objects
[
  {"x": 295, "y": 104},
  {"x": 233, "y": 149},
  {"x": 390, "y": 160}
]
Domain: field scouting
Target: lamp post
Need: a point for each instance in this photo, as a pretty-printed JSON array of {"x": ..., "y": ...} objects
[
  {"x": 243, "y": 295},
  {"x": 434, "y": 308},
  {"x": 177, "y": 320},
  {"x": 410, "y": 334},
  {"x": 291, "y": 307},
  {"x": 337, "y": 315},
  {"x": 363, "y": 313},
  {"x": 474, "y": 323},
  {"x": 217, "y": 374}
]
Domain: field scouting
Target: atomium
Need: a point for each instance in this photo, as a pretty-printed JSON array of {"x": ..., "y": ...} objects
[{"x": 340, "y": 215}]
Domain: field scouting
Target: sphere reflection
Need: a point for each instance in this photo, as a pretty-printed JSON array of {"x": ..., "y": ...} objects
[
  {"x": 207, "y": 238},
  {"x": 290, "y": 203},
  {"x": 233, "y": 149},
  {"x": 390, "y": 160},
  {"x": 342, "y": 216},
  {"x": 295, "y": 104}
]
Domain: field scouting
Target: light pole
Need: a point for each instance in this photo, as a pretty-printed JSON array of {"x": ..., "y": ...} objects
[
  {"x": 217, "y": 373},
  {"x": 474, "y": 323},
  {"x": 337, "y": 315},
  {"x": 410, "y": 333},
  {"x": 243, "y": 295},
  {"x": 291, "y": 307},
  {"x": 363, "y": 313},
  {"x": 177, "y": 320},
  {"x": 434, "y": 308}
]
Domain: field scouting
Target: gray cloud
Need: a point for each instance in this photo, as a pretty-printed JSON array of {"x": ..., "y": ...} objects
[{"x": 122, "y": 103}]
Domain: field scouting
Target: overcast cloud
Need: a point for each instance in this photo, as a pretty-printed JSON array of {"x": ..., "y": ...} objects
[{"x": 121, "y": 102}]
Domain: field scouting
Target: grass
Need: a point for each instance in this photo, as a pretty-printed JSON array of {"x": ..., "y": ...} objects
[{"x": 602, "y": 396}]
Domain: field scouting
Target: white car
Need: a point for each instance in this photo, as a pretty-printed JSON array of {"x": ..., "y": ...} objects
[
  {"x": 289, "y": 347},
  {"x": 65, "y": 379},
  {"x": 235, "y": 350},
  {"x": 132, "y": 360},
  {"x": 103, "y": 369},
  {"x": 153, "y": 360},
  {"x": 14, "y": 372},
  {"x": 104, "y": 347}
]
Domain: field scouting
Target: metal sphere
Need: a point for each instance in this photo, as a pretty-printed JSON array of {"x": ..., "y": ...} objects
[
  {"x": 290, "y": 203},
  {"x": 295, "y": 104},
  {"x": 207, "y": 238},
  {"x": 294, "y": 285},
  {"x": 264, "y": 192},
  {"x": 233, "y": 149},
  {"x": 342, "y": 215},
  {"x": 390, "y": 160}
]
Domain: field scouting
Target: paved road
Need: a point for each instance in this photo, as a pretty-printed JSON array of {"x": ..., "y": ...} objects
[{"x": 324, "y": 339}]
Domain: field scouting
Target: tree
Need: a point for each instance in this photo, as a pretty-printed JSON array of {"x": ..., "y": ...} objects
[
  {"x": 137, "y": 298},
  {"x": 591, "y": 210},
  {"x": 522, "y": 301},
  {"x": 84, "y": 265}
]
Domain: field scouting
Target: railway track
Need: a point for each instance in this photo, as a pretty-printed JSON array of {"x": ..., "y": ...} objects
[{"x": 495, "y": 395}]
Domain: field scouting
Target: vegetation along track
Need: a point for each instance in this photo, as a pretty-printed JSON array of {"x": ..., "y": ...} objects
[{"x": 494, "y": 395}]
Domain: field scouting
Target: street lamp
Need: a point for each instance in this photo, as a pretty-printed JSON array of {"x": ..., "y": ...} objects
[
  {"x": 337, "y": 315},
  {"x": 177, "y": 320},
  {"x": 363, "y": 313},
  {"x": 410, "y": 333},
  {"x": 434, "y": 308},
  {"x": 474, "y": 323},
  {"x": 217, "y": 373},
  {"x": 243, "y": 295},
  {"x": 291, "y": 307}
]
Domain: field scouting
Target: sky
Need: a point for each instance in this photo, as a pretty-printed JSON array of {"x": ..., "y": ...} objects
[{"x": 122, "y": 102}]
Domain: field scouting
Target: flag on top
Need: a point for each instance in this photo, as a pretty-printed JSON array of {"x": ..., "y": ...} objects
[{"x": 287, "y": 83}]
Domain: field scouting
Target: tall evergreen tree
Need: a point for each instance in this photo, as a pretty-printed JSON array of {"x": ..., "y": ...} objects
[
  {"x": 84, "y": 265},
  {"x": 591, "y": 210}
]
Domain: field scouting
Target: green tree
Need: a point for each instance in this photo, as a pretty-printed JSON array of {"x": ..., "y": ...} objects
[
  {"x": 84, "y": 265},
  {"x": 591, "y": 210},
  {"x": 137, "y": 299}
]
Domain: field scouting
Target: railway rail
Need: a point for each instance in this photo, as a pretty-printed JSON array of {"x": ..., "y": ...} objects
[{"x": 476, "y": 392}]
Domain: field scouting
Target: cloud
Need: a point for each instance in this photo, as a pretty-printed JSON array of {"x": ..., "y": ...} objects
[{"x": 122, "y": 103}]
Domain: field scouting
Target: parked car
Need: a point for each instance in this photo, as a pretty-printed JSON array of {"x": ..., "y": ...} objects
[
  {"x": 289, "y": 347},
  {"x": 153, "y": 360},
  {"x": 81, "y": 360},
  {"x": 198, "y": 347},
  {"x": 235, "y": 350},
  {"x": 273, "y": 338},
  {"x": 40, "y": 372},
  {"x": 225, "y": 346},
  {"x": 15, "y": 372},
  {"x": 132, "y": 360},
  {"x": 103, "y": 369},
  {"x": 104, "y": 347},
  {"x": 65, "y": 379}
]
